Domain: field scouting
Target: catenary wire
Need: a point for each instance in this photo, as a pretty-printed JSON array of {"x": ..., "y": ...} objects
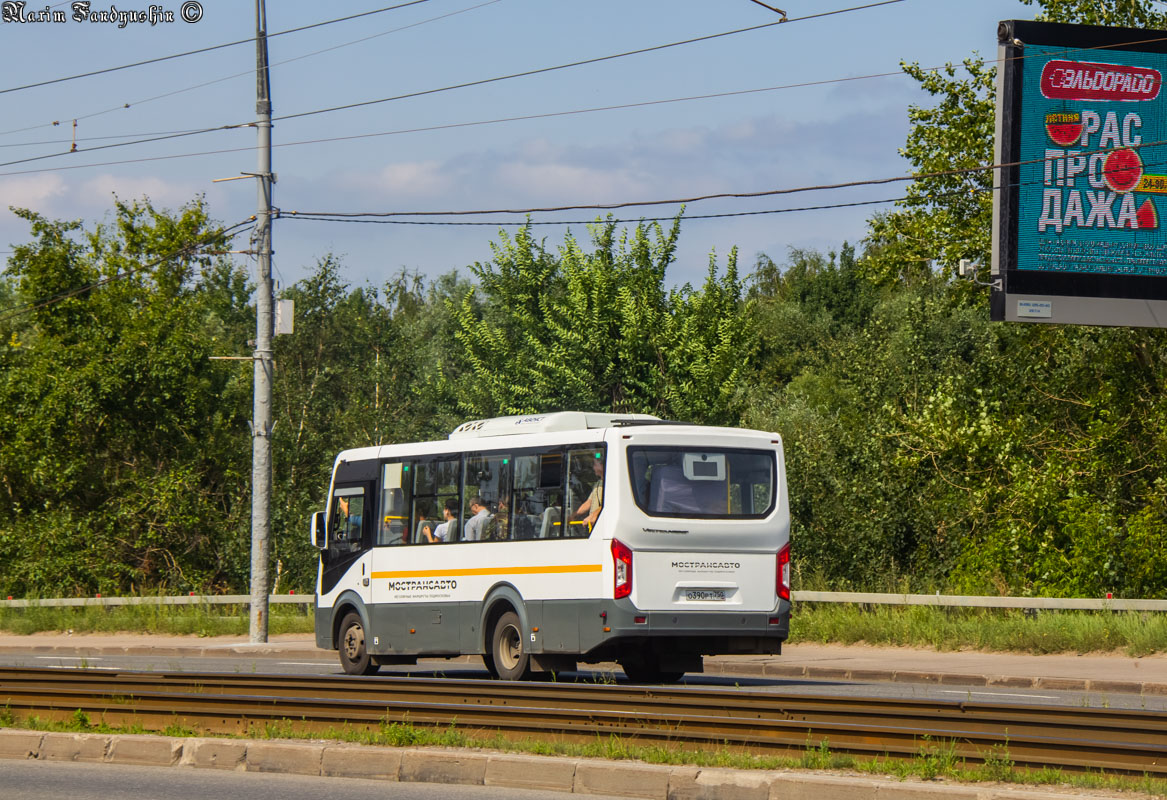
[
  {"x": 584, "y": 62},
  {"x": 458, "y": 86},
  {"x": 529, "y": 222},
  {"x": 206, "y": 49},
  {"x": 497, "y": 120},
  {"x": 136, "y": 103},
  {"x": 679, "y": 201},
  {"x": 173, "y": 134}
]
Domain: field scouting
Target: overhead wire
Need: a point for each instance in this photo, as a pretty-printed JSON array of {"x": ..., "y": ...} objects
[
  {"x": 496, "y": 121},
  {"x": 395, "y": 216},
  {"x": 176, "y": 134},
  {"x": 208, "y": 49},
  {"x": 248, "y": 73},
  {"x": 605, "y": 220},
  {"x": 583, "y": 62},
  {"x": 481, "y": 82}
]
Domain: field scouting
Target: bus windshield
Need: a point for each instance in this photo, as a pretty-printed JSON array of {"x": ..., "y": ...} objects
[{"x": 710, "y": 484}]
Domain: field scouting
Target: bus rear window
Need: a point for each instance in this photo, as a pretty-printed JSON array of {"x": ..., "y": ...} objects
[{"x": 700, "y": 483}]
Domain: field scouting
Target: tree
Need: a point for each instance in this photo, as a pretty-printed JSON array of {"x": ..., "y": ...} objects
[
  {"x": 116, "y": 449},
  {"x": 363, "y": 368},
  {"x": 598, "y": 331}
]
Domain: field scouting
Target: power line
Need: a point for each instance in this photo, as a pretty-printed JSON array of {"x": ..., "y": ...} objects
[
  {"x": 584, "y": 62},
  {"x": 136, "y": 103},
  {"x": 463, "y": 85},
  {"x": 731, "y": 93},
  {"x": 530, "y": 222},
  {"x": 206, "y": 49},
  {"x": 187, "y": 250},
  {"x": 160, "y": 138},
  {"x": 519, "y": 118}
]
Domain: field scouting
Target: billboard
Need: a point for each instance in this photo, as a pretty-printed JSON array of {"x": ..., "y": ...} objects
[{"x": 1080, "y": 200}]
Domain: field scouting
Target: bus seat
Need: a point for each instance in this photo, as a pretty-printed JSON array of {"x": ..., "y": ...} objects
[
  {"x": 547, "y": 528},
  {"x": 525, "y": 525},
  {"x": 670, "y": 492}
]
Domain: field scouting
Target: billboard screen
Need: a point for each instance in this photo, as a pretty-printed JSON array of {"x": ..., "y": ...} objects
[{"x": 1079, "y": 232}]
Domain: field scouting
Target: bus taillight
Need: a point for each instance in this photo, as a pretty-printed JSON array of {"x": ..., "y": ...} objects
[
  {"x": 784, "y": 572},
  {"x": 622, "y": 560}
]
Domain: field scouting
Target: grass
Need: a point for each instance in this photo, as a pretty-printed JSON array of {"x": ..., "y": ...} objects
[
  {"x": 934, "y": 760},
  {"x": 200, "y": 620},
  {"x": 1001, "y": 630}
]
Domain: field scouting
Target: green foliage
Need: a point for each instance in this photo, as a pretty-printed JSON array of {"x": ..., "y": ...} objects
[
  {"x": 115, "y": 448},
  {"x": 1124, "y": 13},
  {"x": 598, "y": 331},
  {"x": 363, "y": 368},
  {"x": 927, "y": 448},
  {"x": 948, "y": 207}
]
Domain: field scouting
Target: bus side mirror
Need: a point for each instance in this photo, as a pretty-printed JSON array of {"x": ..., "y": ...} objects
[{"x": 318, "y": 533}]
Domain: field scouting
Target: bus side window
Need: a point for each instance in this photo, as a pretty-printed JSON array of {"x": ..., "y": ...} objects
[
  {"x": 585, "y": 489},
  {"x": 538, "y": 495},
  {"x": 435, "y": 484},
  {"x": 488, "y": 477},
  {"x": 393, "y": 523},
  {"x": 348, "y": 514}
]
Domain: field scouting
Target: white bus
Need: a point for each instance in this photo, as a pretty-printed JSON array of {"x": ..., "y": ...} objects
[{"x": 542, "y": 541}]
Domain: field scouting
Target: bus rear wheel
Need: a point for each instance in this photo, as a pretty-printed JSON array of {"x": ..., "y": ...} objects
[
  {"x": 511, "y": 662},
  {"x": 354, "y": 656}
]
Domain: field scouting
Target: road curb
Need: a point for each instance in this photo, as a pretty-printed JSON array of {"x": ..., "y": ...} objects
[
  {"x": 800, "y": 671},
  {"x": 507, "y": 770}
]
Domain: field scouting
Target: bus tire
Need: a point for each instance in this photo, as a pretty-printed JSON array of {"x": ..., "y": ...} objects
[
  {"x": 511, "y": 660},
  {"x": 354, "y": 656}
]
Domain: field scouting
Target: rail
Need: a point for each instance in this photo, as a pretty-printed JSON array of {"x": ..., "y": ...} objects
[
  {"x": 865, "y": 598},
  {"x": 1072, "y": 738}
]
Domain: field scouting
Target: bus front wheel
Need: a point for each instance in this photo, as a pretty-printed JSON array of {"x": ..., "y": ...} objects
[
  {"x": 354, "y": 656},
  {"x": 511, "y": 660}
]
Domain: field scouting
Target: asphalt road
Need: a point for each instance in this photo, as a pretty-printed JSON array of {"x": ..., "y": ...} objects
[{"x": 43, "y": 780}]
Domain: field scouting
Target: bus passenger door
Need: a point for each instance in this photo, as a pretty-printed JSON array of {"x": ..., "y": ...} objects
[{"x": 347, "y": 559}]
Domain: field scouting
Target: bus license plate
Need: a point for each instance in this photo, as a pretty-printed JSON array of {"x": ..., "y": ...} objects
[{"x": 705, "y": 595}]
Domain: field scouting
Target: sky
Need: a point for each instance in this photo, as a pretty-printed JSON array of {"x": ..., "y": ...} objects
[{"x": 463, "y": 149}]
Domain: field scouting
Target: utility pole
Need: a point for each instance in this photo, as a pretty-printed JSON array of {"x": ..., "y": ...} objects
[{"x": 262, "y": 415}]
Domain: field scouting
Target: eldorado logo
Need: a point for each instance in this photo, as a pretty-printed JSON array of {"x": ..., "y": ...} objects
[{"x": 1085, "y": 80}]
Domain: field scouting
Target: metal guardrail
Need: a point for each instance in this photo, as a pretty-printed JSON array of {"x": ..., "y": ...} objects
[
  {"x": 180, "y": 600},
  {"x": 868, "y": 598},
  {"x": 979, "y": 601}
]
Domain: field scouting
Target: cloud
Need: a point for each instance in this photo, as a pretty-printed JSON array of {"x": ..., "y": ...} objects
[
  {"x": 764, "y": 152},
  {"x": 403, "y": 180},
  {"x": 97, "y": 193},
  {"x": 556, "y": 181},
  {"x": 32, "y": 191}
]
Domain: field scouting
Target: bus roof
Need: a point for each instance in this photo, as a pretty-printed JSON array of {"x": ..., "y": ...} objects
[{"x": 545, "y": 423}]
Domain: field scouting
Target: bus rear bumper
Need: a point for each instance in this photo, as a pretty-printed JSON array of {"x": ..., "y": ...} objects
[{"x": 619, "y": 628}]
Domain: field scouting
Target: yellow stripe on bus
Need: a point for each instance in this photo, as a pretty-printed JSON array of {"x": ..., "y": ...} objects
[{"x": 461, "y": 573}]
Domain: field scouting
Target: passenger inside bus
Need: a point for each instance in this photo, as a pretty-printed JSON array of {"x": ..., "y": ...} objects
[
  {"x": 476, "y": 525},
  {"x": 424, "y": 532},
  {"x": 590, "y": 508},
  {"x": 498, "y": 528},
  {"x": 441, "y": 531}
]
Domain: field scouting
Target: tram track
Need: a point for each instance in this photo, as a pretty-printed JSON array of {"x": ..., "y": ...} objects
[{"x": 1131, "y": 741}]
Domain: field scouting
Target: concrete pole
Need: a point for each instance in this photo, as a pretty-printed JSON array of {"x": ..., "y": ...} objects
[{"x": 262, "y": 416}]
